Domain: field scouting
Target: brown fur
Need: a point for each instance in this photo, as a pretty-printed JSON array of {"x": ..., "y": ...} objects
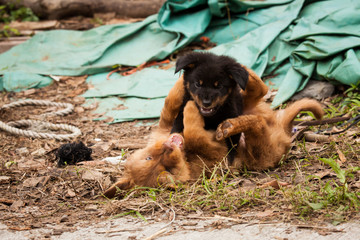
[
  {"x": 214, "y": 83},
  {"x": 168, "y": 164},
  {"x": 265, "y": 141},
  {"x": 138, "y": 171},
  {"x": 266, "y": 133},
  {"x": 172, "y": 105}
]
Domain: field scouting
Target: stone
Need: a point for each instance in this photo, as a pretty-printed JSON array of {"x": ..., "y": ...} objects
[{"x": 315, "y": 89}]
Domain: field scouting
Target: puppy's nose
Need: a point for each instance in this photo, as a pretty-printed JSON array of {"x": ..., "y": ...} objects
[
  {"x": 168, "y": 145},
  {"x": 206, "y": 102}
]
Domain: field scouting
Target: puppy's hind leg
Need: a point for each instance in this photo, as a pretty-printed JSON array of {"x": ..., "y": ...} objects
[
  {"x": 123, "y": 184},
  {"x": 261, "y": 151},
  {"x": 193, "y": 119},
  {"x": 172, "y": 104},
  {"x": 232, "y": 143},
  {"x": 255, "y": 90},
  {"x": 196, "y": 137}
]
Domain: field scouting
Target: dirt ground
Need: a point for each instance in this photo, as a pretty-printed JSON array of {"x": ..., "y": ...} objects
[
  {"x": 33, "y": 188},
  {"x": 36, "y": 194},
  {"x": 41, "y": 200}
]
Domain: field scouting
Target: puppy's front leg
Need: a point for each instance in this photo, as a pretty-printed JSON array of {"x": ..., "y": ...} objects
[{"x": 246, "y": 123}]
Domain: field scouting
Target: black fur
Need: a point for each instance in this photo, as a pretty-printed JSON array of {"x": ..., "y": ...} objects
[
  {"x": 72, "y": 153},
  {"x": 208, "y": 78}
]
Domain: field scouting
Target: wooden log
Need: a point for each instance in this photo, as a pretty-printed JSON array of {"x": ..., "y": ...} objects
[{"x": 58, "y": 9}]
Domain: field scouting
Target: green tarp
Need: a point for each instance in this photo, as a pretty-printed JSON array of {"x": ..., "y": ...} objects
[
  {"x": 286, "y": 41},
  {"x": 125, "y": 98},
  {"x": 148, "y": 83}
]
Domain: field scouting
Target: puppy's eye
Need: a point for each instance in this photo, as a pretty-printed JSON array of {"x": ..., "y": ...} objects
[
  {"x": 148, "y": 158},
  {"x": 217, "y": 85},
  {"x": 198, "y": 84}
]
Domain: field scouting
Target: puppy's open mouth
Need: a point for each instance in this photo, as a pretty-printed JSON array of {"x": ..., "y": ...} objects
[
  {"x": 175, "y": 140},
  {"x": 207, "y": 111}
]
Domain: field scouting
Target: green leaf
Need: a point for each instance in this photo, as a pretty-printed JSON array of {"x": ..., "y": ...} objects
[
  {"x": 353, "y": 198},
  {"x": 140, "y": 216},
  {"x": 122, "y": 214},
  {"x": 329, "y": 190},
  {"x": 315, "y": 206},
  {"x": 357, "y": 102},
  {"x": 335, "y": 222},
  {"x": 335, "y": 166}
]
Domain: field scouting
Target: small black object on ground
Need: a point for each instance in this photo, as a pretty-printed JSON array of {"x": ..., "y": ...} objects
[{"x": 72, "y": 153}]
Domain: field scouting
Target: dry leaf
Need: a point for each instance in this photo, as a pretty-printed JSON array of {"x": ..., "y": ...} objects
[
  {"x": 29, "y": 92},
  {"x": 36, "y": 182},
  {"x": 76, "y": 92},
  {"x": 17, "y": 205},
  {"x": 4, "y": 179},
  {"x": 357, "y": 184},
  {"x": 323, "y": 174},
  {"x": 265, "y": 213},
  {"x": 341, "y": 156},
  {"x": 79, "y": 109},
  {"x": 39, "y": 152},
  {"x": 92, "y": 175},
  {"x": 92, "y": 163},
  {"x": 275, "y": 184},
  {"x": 70, "y": 193},
  {"x": 103, "y": 146},
  {"x": 31, "y": 164}
]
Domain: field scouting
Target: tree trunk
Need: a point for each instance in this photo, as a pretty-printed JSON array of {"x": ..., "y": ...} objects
[{"x": 58, "y": 9}]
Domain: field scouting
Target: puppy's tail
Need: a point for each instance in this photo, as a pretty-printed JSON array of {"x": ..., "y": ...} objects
[{"x": 289, "y": 114}]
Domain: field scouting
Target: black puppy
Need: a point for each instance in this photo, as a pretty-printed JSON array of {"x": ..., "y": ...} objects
[{"x": 214, "y": 83}]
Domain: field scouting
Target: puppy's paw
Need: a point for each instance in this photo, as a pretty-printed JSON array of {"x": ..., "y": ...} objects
[
  {"x": 223, "y": 130},
  {"x": 174, "y": 141}
]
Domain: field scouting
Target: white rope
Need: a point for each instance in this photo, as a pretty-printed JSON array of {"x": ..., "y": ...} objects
[
  {"x": 13, "y": 127},
  {"x": 68, "y": 107}
]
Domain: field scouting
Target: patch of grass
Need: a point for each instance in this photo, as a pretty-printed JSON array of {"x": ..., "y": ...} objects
[
  {"x": 97, "y": 20},
  {"x": 329, "y": 196},
  {"x": 348, "y": 103},
  {"x": 351, "y": 103},
  {"x": 222, "y": 193},
  {"x": 327, "y": 199},
  {"x": 8, "y": 31},
  {"x": 11, "y": 12}
]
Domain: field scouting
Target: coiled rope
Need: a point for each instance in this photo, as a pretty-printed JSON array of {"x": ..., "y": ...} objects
[{"x": 13, "y": 127}]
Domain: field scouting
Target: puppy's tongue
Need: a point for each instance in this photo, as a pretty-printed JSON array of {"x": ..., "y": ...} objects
[{"x": 175, "y": 140}]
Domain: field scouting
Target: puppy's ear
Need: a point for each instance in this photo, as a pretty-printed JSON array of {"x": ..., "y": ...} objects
[
  {"x": 186, "y": 62},
  {"x": 123, "y": 184},
  {"x": 238, "y": 74}
]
